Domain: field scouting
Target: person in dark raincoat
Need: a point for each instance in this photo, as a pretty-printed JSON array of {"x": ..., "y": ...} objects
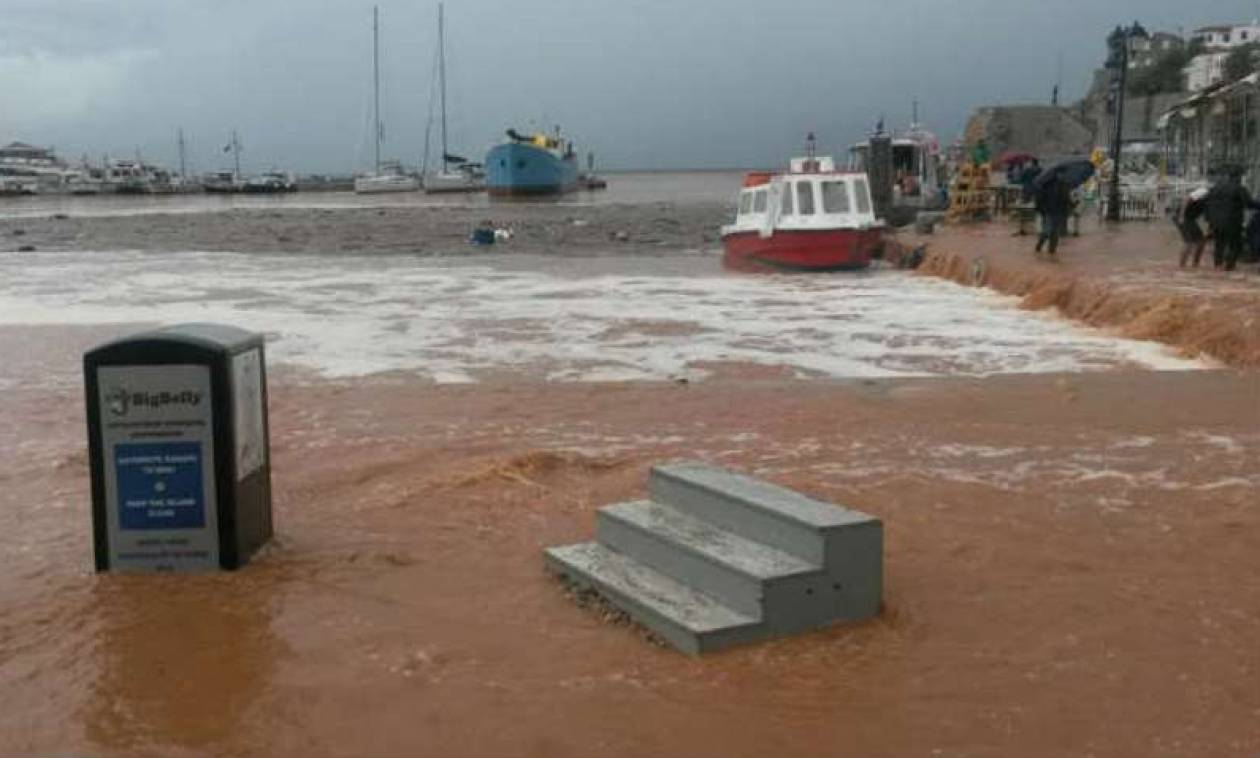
[
  {"x": 1225, "y": 207},
  {"x": 1188, "y": 224},
  {"x": 1054, "y": 202},
  {"x": 1028, "y": 176}
]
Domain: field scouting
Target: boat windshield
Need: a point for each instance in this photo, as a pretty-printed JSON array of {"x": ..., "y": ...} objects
[
  {"x": 786, "y": 206},
  {"x": 745, "y": 203},
  {"x": 759, "y": 201},
  {"x": 835, "y": 197},
  {"x": 805, "y": 198},
  {"x": 862, "y": 194}
]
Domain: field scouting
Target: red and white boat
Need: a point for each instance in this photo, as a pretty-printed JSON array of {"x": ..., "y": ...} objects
[{"x": 812, "y": 218}]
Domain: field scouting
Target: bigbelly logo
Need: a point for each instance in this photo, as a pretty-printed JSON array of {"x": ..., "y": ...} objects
[
  {"x": 118, "y": 402},
  {"x": 121, "y": 401}
]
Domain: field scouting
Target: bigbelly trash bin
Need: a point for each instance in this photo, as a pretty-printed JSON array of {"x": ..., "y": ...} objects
[{"x": 178, "y": 449}]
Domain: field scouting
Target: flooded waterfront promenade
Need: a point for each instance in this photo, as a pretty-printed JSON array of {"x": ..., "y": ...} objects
[{"x": 1070, "y": 513}]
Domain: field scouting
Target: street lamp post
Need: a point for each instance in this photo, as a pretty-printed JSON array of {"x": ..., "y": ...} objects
[{"x": 1119, "y": 61}]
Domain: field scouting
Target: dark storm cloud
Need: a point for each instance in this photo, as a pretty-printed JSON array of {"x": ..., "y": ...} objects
[{"x": 644, "y": 84}]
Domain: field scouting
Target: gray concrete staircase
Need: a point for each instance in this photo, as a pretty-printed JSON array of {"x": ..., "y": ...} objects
[{"x": 716, "y": 559}]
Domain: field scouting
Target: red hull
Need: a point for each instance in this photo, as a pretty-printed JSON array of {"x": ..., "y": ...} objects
[{"x": 804, "y": 250}]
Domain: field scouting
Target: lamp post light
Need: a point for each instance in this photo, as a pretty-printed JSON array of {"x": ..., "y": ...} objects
[{"x": 1118, "y": 62}]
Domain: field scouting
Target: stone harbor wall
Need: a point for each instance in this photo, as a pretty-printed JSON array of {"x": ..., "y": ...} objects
[{"x": 1043, "y": 130}]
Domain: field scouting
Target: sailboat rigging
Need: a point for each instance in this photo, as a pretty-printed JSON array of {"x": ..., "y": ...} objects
[
  {"x": 458, "y": 174},
  {"x": 386, "y": 176}
]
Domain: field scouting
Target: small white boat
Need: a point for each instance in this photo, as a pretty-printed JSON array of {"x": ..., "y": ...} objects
[
  {"x": 221, "y": 183},
  {"x": 469, "y": 177},
  {"x": 85, "y": 181},
  {"x": 812, "y": 217},
  {"x": 390, "y": 178},
  {"x": 270, "y": 182}
]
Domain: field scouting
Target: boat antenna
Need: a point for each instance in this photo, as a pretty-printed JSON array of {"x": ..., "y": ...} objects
[
  {"x": 914, "y": 114},
  {"x": 442, "y": 75},
  {"x": 376, "y": 81},
  {"x": 1058, "y": 80}
]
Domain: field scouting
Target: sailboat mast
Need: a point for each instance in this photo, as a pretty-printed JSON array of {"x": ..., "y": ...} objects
[
  {"x": 376, "y": 81},
  {"x": 442, "y": 75},
  {"x": 183, "y": 174},
  {"x": 236, "y": 153}
]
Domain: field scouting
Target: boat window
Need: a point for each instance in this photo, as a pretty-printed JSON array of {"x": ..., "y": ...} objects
[
  {"x": 835, "y": 197},
  {"x": 805, "y": 198},
  {"x": 786, "y": 206},
  {"x": 745, "y": 203},
  {"x": 862, "y": 194},
  {"x": 759, "y": 201},
  {"x": 905, "y": 159}
]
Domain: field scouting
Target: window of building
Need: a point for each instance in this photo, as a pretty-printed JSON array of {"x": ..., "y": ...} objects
[
  {"x": 759, "y": 201},
  {"x": 835, "y": 197},
  {"x": 786, "y": 206},
  {"x": 805, "y": 198}
]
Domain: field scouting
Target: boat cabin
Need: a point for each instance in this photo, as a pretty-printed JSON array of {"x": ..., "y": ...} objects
[
  {"x": 812, "y": 196},
  {"x": 915, "y": 167}
]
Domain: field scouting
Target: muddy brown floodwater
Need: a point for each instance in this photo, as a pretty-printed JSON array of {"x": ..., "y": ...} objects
[
  {"x": 1072, "y": 561},
  {"x": 1072, "y": 569}
]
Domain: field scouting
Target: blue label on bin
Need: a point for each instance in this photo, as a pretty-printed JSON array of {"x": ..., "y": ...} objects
[{"x": 159, "y": 485}]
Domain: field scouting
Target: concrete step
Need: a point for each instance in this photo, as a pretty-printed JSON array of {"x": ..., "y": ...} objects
[
  {"x": 757, "y": 510},
  {"x": 737, "y": 571},
  {"x": 689, "y": 620}
]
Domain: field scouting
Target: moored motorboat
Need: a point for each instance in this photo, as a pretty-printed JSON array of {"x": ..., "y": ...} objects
[
  {"x": 222, "y": 183},
  {"x": 270, "y": 182},
  {"x": 915, "y": 163},
  {"x": 811, "y": 218}
]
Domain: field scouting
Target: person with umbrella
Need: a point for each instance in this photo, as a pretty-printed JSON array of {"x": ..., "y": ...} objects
[
  {"x": 1052, "y": 193},
  {"x": 1054, "y": 202}
]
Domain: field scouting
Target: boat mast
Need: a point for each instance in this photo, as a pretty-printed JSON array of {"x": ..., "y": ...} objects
[
  {"x": 182, "y": 162},
  {"x": 236, "y": 154},
  {"x": 442, "y": 75},
  {"x": 376, "y": 77},
  {"x": 376, "y": 81}
]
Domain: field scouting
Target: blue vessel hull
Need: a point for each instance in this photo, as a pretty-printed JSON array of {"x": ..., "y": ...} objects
[{"x": 515, "y": 168}]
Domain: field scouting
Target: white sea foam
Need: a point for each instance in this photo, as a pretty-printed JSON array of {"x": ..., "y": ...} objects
[{"x": 354, "y": 315}]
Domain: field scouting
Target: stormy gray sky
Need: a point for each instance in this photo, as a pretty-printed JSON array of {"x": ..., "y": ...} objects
[{"x": 642, "y": 83}]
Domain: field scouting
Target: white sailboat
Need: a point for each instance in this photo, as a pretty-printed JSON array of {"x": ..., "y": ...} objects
[
  {"x": 457, "y": 174},
  {"x": 387, "y": 176}
]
